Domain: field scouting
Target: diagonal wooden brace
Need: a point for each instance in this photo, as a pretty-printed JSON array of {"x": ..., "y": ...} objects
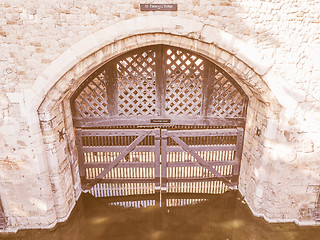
[
  {"x": 116, "y": 161},
  {"x": 202, "y": 162}
]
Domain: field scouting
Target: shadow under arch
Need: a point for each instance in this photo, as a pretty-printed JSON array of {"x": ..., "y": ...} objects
[{"x": 54, "y": 87}]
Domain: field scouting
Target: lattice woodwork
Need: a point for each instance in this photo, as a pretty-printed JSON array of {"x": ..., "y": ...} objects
[
  {"x": 184, "y": 81},
  {"x": 227, "y": 99},
  {"x": 136, "y": 84},
  {"x": 160, "y": 81},
  {"x": 91, "y": 100}
]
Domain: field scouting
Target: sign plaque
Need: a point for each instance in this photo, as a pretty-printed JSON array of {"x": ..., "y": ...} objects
[
  {"x": 160, "y": 120},
  {"x": 158, "y": 7}
]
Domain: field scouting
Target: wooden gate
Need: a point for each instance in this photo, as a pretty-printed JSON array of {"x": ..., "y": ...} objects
[
  {"x": 159, "y": 117},
  {"x": 141, "y": 161}
]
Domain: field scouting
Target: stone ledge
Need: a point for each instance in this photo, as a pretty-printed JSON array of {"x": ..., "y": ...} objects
[{"x": 282, "y": 220}]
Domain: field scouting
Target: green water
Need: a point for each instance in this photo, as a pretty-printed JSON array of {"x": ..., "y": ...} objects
[{"x": 217, "y": 217}]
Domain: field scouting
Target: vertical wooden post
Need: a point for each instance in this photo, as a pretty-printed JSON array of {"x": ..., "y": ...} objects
[
  {"x": 160, "y": 81},
  {"x": 80, "y": 155},
  {"x": 164, "y": 142},
  {"x": 111, "y": 78},
  {"x": 238, "y": 154},
  {"x": 157, "y": 140},
  {"x": 208, "y": 83}
]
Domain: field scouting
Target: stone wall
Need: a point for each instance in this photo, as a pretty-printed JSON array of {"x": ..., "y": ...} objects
[{"x": 48, "y": 47}]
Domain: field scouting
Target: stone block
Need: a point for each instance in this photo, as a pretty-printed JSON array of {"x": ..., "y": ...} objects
[
  {"x": 287, "y": 97},
  {"x": 15, "y": 97},
  {"x": 271, "y": 129},
  {"x": 41, "y": 86},
  {"x": 84, "y": 48},
  {"x": 259, "y": 191}
]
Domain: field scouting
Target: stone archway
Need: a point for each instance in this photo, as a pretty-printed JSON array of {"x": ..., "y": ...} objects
[{"x": 52, "y": 90}]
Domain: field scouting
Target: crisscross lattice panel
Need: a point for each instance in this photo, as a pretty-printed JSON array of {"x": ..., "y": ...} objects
[
  {"x": 91, "y": 100},
  {"x": 184, "y": 81},
  {"x": 158, "y": 81},
  {"x": 136, "y": 84},
  {"x": 227, "y": 100}
]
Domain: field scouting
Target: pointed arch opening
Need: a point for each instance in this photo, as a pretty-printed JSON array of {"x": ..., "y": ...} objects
[{"x": 153, "y": 110}]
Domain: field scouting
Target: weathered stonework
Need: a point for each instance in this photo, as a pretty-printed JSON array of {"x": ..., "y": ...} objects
[{"x": 47, "y": 49}]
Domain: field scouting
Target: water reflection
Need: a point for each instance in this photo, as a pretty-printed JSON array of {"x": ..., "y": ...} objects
[{"x": 201, "y": 217}]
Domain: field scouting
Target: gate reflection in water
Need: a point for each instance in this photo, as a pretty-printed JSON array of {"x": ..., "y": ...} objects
[{"x": 223, "y": 216}]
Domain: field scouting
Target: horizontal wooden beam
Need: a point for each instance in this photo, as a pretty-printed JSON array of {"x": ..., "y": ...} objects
[
  {"x": 203, "y": 132},
  {"x": 113, "y": 132},
  {"x": 196, "y": 179},
  {"x": 152, "y": 165},
  {"x": 121, "y": 165},
  {"x": 120, "y": 180},
  {"x": 96, "y": 149},
  {"x": 145, "y": 121},
  {"x": 196, "y": 164},
  {"x": 212, "y": 148},
  {"x": 154, "y": 180}
]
